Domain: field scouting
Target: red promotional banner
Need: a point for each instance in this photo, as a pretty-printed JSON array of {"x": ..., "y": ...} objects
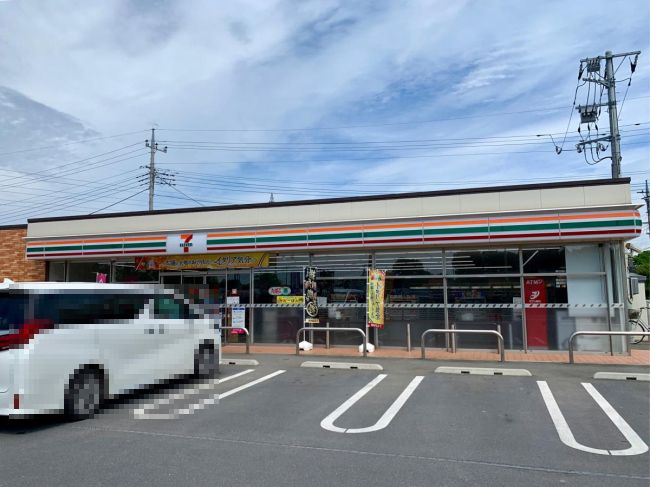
[{"x": 536, "y": 319}]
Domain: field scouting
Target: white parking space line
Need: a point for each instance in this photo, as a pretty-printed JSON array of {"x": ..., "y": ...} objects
[
  {"x": 623, "y": 376},
  {"x": 202, "y": 404},
  {"x": 250, "y": 384},
  {"x": 386, "y": 418},
  {"x": 637, "y": 445},
  {"x": 189, "y": 391}
]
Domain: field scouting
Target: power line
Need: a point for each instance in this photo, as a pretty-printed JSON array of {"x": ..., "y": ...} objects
[
  {"x": 70, "y": 143},
  {"x": 118, "y": 202},
  {"x": 27, "y": 175},
  {"x": 297, "y": 148},
  {"x": 489, "y": 139},
  {"x": 47, "y": 192},
  {"x": 390, "y": 124},
  {"x": 398, "y": 183},
  {"x": 173, "y": 186},
  {"x": 67, "y": 202},
  {"x": 335, "y": 159}
]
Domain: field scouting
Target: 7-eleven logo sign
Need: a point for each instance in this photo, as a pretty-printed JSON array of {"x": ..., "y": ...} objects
[{"x": 186, "y": 242}]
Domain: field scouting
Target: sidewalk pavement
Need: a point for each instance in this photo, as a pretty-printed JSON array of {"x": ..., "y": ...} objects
[{"x": 638, "y": 357}]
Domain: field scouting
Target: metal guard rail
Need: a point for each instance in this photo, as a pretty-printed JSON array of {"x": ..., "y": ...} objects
[
  {"x": 327, "y": 328},
  {"x": 248, "y": 335},
  {"x": 478, "y": 332},
  {"x": 601, "y": 333}
]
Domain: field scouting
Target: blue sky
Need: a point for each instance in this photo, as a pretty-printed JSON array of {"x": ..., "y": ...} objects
[{"x": 387, "y": 96}]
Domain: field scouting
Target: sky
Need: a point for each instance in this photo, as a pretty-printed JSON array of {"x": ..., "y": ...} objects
[{"x": 303, "y": 99}]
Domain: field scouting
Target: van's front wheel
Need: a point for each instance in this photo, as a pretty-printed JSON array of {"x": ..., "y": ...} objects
[
  {"x": 84, "y": 394},
  {"x": 206, "y": 361}
]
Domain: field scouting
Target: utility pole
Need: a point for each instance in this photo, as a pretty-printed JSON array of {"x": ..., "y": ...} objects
[
  {"x": 646, "y": 198},
  {"x": 589, "y": 113},
  {"x": 153, "y": 145},
  {"x": 613, "y": 117}
]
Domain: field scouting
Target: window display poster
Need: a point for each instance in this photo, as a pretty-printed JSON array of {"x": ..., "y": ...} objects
[{"x": 238, "y": 319}]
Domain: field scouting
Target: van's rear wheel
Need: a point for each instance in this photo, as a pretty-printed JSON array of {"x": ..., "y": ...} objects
[
  {"x": 206, "y": 361},
  {"x": 84, "y": 394}
]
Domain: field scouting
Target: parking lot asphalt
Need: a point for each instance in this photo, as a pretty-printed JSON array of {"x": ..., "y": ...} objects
[{"x": 278, "y": 423}]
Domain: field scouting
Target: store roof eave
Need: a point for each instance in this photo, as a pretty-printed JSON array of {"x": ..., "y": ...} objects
[
  {"x": 272, "y": 226},
  {"x": 321, "y": 201}
]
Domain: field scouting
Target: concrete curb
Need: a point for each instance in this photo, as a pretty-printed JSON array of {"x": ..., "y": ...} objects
[
  {"x": 483, "y": 371},
  {"x": 238, "y": 361},
  {"x": 341, "y": 365},
  {"x": 623, "y": 376}
]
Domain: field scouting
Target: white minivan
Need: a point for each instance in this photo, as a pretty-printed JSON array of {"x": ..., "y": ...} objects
[{"x": 66, "y": 347}]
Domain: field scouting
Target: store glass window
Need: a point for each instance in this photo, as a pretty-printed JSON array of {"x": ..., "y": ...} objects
[
  {"x": 464, "y": 293},
  {"x": 277, "y": 325},
  {"x": 293, "y": 262},
  {"x": 341, "y": 287},
  {"x": 348, "y": 264},
  {"x": 269, "y": 285},
  {"x": 544, "y": 261},
  {"x": 127, "y": 272},
  {"x": 88, "y": 271},
  {"x": 493, "y": 261},
  {"x": 414, "y": 289},
  {"x": 56, "y": 271},
  {"x": 483, "y": 290},
  {"x": 410, "y": 263}
]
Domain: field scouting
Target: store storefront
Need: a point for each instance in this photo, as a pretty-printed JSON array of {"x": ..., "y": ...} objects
[{"x": 537, "y": 262}]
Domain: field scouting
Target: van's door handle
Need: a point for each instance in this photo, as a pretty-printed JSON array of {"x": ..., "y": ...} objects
[
  {"x": 161, "y": 329},
  {"x": 150, "y": 331}
]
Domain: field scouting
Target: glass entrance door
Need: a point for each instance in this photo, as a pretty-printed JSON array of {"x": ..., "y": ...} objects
[{"x": 216, "y": 284}]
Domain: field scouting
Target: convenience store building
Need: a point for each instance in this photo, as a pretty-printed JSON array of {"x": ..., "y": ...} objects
[{"x": 539, "y": 261}]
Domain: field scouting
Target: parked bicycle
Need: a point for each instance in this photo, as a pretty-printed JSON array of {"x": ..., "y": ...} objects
[{"x": 635, "y": 323}]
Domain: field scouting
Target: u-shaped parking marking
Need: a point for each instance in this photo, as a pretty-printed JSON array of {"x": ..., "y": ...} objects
[
  {"x": 637, "y": 445},
  {"x": 386, "y": 418}
]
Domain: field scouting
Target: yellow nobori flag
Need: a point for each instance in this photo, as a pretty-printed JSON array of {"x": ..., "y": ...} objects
[{"x": 376, "y": 287}]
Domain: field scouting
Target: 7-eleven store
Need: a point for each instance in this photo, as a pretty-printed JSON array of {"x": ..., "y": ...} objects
[{"x": 538, "y": 261}]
